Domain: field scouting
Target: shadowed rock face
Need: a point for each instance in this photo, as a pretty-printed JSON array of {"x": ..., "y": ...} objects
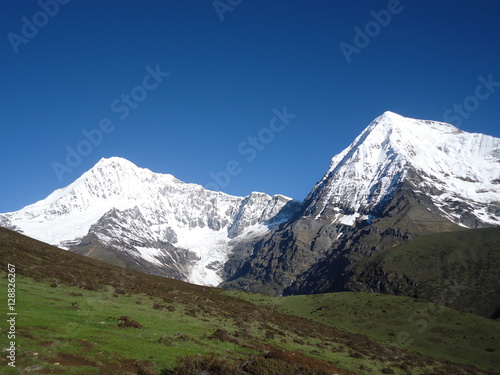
[{"x": 312, "y": 255}]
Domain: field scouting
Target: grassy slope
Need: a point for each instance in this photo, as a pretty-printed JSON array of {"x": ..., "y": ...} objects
[
  {"x": 68, "y": 308},
  {"x": 400, "y": 321},
  {"x": 464, "y": 265},
  {"x": 60, "y": 323}
]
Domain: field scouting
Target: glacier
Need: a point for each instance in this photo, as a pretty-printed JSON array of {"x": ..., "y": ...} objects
[{"x": 149, "y": 208}]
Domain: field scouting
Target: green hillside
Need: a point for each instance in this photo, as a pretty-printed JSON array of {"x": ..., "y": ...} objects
[
  {"x": 458, "y": 269},
  {"x": 404, "y": 322},
  {"x": 81, "y": 316}
]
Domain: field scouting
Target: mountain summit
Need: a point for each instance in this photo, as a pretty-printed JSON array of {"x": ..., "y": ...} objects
[
  {"x": 458, "y": 171},
  {"x": 401, "y": 178},
  {"x": 152, "y": 222}
]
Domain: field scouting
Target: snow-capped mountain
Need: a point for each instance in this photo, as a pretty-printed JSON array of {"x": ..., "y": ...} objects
[
  {"x": 401, "y": 178},
  {"x": 458, "y": 171},
  {"x": 151, "y": 218}
]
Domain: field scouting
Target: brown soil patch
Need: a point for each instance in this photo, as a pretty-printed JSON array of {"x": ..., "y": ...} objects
[
  {"x": 125, "y": 366},
  {"x": 66, "y": 359}
]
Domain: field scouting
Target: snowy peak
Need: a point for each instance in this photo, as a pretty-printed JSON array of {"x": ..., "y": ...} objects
[
  {"x": 155, "y": 216},
  {"x": 113, "y": 178},
  {"x": 118, "y": 184},
  {"x": 114, "y": 162},
  {"x": 402, "y": 135},
  {"x": 160, "y": 224},
  {"x": 117, "y": 177},
  {"x": 452, "y": 166}
]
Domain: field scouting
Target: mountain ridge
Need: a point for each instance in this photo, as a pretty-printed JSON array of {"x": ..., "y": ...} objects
[
  {"x": 379, "y": 192},
  {"x": 399, "y": 179},
  {"x": 377, "y": 161},
  {"x": 147, "y": 215}
]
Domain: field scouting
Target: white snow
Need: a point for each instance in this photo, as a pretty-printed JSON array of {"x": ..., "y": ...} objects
[
  {"x": 155, "y": 208},
  {"x": 150, "y": 254},
  {"x": 348, "y": 219},
  {"x": 461, "y": 165},
  {"x": 152, "y": 206},
  {"x": 211, "y": 247}
]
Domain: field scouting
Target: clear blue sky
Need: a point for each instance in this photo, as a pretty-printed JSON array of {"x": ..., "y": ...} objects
[{"x": 225, "y": 78}]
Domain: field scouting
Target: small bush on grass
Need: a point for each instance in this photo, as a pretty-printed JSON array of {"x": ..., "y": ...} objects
[{"x": 125, "y": 322}]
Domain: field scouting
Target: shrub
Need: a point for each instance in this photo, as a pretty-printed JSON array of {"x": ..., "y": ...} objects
[
  {"x": 223, "y": 335},
  {"x": 125, "y": 321},
  {"x": 166, "y": 340},
  {"x": 192, "y": 364},
  {"x": 387, "y": 370}
]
